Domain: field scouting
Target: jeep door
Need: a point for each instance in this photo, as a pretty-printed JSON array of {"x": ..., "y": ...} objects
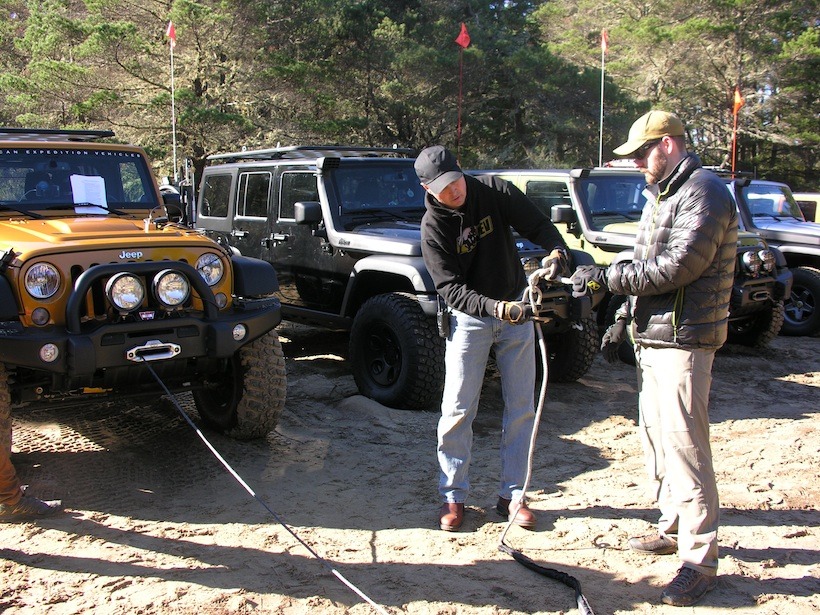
[
  {"x": 233, "y": 208},
  {"x": 300, "y": 253}
]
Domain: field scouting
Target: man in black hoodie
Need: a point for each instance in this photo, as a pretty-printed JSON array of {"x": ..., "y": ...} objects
[{"x": 470, "y": 252}]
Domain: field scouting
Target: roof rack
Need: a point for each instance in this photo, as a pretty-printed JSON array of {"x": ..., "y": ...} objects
[
  {"x": 313, "y": 151},
  {"x": 724, "y": 172},
  {"x": 51, "y": 134}
]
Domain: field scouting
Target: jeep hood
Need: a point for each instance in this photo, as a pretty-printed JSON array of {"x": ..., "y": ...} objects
[
  {"x": 33, "y": 237},
  {"x": 789, "y": 230},
  {"x": 389, "y": 237}
]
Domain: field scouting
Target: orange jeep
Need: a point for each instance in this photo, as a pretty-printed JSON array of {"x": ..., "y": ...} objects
[{"x": 98, "y": 281}]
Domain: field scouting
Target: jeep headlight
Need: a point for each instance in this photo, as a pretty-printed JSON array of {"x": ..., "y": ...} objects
[
  {"x": 751, "y": 262},
  {"x": 210, "y": 268},
  {"x": 42, "y": 280},
  {"x": 171, "y": 288},
  {"x": 125, "y": 291},
  {"x": 768, "y": 260}
]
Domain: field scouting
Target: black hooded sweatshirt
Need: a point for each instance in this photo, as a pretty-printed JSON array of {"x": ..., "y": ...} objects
[{"x": 470, "y": 252}]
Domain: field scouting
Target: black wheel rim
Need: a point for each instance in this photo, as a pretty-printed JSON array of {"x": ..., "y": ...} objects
[
  {"x": 382, "y": 355},
  {"x": 801, "y": 307}
]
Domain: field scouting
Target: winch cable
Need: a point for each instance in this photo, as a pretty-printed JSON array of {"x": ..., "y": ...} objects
[
  {"x": 377, "y": 607},
  {"x": 532, "y": 294}
]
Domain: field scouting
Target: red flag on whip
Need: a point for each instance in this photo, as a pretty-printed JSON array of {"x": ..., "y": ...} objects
[
  {"x": 171, "y": 33},
  {"x": 463, "y": 38},
  {"x": 604, "y": 41},
  {"x": 735, "y": 108},
  {"x": 463, "y": 41},
  {"x": 739, "y": 102}
]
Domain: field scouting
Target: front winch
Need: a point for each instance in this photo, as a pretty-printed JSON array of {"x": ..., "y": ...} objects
[{"x": 153, "y": 350}]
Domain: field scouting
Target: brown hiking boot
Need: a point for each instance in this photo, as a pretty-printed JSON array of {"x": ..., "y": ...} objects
[
  {"x": 654, "y": 545},
  {"x": 28, "y": 509},
  {"x": 688, "y": 587}
]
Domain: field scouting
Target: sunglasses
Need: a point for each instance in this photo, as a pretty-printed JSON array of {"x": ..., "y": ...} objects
[{"x": 643, "y": 151}]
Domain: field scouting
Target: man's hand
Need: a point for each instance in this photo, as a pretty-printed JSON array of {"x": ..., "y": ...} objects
[
  {"x": 555, "y": 265},
  {"x": 588, "y": 280},
  {"x": 515, "y": 312},
  {"x": 613, "y": 336}
]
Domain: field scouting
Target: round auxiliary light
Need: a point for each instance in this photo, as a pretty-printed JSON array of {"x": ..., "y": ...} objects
[
  {"x": 40, "y": 316},
  {"x": 171, "y": 288},
  {"x": 239, "y": 332},
  {"x": 49, "y": 353},
  {"x": 221, "y": 300},
  {"x": 751, "y": 261},
  {"x": 210, "y": 268},
  {"x": 768, "y": 260},
  {"x": 42, "y": 280},
  {"x": 125, "y": 291}
]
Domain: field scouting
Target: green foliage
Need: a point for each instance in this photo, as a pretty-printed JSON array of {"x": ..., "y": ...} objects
[{"x": 383, "y": 72}]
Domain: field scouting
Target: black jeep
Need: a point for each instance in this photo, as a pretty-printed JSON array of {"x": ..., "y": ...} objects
[{"x": 342, "y": 229}]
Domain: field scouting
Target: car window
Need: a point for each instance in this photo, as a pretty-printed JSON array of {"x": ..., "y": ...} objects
[
  {"x": 253, "y": 193},
  {"x": 379, "y": 187},
  {"x": 545, "y": 194},
  {"x": 771, "y": 200},
  {"x": 216, "y": 190},
  {"x": 43, "y": 178},
  {"x": 296, "y": 187},
  {"x": 612, "y": 199}
]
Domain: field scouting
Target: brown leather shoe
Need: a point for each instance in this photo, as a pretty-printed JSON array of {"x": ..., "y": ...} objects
[
  {"x": 525, "y": 517},
  {"x": 451, "y": 516}
]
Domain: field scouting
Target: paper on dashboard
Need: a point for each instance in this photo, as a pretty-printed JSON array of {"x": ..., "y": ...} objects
[{"x": 89, "y": 190}]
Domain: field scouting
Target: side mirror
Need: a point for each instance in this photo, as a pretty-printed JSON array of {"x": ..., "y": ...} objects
[
  {"x": 308, "y": 212},
  {"x": 562, "y": 213}
]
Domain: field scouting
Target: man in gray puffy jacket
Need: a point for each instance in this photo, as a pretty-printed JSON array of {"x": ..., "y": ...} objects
[{"x": 678, "y": 288}]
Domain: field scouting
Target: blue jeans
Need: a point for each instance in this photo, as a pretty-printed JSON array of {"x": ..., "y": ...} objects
[{"x": 467, "y": 350}]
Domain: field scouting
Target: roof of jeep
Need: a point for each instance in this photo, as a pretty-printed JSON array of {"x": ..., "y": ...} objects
[
  {"x": 577, "y": 172},
  {"x": 310, "y": 152},
  {"x": 38, "y": 135}
]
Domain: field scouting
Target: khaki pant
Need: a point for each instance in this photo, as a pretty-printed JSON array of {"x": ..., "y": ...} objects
[{"x": 673, "y": 400}]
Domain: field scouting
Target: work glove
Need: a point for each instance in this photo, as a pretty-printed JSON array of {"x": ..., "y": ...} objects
[
  {"x": 588, "y": 280},
  {"x": 613, "y": 336},
  {"x": 515, "y": 312},
  {"x": 555, "y": 265}
]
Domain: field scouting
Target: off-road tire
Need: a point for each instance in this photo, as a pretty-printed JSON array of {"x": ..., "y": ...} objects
[
  {"x": 396, "y": 354},
  {"x": 803, "y": 306},
  {"x": 246, "y": 400},
  {"x": 570, "y": 353},
  {"x": 5, "y": 411},
  {"x": 758, "y": 329},
  {"x": 626, "y": 351}
]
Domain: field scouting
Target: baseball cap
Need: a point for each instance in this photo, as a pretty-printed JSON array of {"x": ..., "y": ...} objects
[
  {"x": 437, "y": 168},
  {"x": 649, "y": 127}
]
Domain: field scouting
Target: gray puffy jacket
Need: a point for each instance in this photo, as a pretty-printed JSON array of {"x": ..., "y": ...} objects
[{"x": 680, "y": 281}]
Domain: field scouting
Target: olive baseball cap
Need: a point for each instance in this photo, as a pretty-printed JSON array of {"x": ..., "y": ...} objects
[
  {"x": 437, "y": 168},
  {"x": 649, "y": 127}
]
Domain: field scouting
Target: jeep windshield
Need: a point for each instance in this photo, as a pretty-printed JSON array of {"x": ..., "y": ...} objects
[
  {"x": 771, "y": 201},
  {"x": 612, "y": 198},
  {"x": 37, "y": 180},
  {"x": 378, "y": 191}
]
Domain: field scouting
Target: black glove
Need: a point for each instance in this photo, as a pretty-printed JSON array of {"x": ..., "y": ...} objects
[
  {"x": 613, "y": 336},
  {"x": 588, "y": 280},
  {"x": 515, "y": 312},
  {"x": 555, "y": 265}
]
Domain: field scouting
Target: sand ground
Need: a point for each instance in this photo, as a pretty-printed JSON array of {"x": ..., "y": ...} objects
[{"x": 154, "y": 524}]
